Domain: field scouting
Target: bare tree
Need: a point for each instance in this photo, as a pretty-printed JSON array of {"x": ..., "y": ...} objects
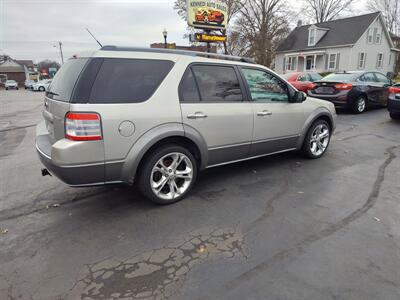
[
  {"x": 390, "y": 10},
  {"x": 260, "y": 26},
  {"x": 326, "y": 10}
]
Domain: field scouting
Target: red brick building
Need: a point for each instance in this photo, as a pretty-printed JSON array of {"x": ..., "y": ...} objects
[{"x": 11, "y": 70}]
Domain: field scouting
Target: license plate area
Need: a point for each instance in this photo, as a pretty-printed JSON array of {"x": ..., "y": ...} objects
[{"x": 325, "y": 90}]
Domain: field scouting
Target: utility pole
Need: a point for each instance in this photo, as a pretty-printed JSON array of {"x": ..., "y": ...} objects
[{"x": 61, "y": 52}]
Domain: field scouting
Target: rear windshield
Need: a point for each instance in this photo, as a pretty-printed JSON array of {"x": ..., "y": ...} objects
[
  {"x": 121, "y": 80},
  {"x": 339, "y": 77},
  {"x": 63, "y": 83}
]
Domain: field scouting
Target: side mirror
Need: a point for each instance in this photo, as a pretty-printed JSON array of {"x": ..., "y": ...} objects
[{"x": 299, "y": 97}]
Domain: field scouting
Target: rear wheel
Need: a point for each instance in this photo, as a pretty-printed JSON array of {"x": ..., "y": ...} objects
[
  {"x": 6, "y": 88},
  {"x": 360, "y": 105},
  {"x": 41, "y": 89},
  {"x": 317, "y": 140},
  {"x": 168, "y": 174}
]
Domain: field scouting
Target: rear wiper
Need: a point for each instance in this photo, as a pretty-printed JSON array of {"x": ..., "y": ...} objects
[{"x": 52, "y": 94}]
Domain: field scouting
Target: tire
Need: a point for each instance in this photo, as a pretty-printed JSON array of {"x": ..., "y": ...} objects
[
  {"x": 17, "y": 88},
  {"x": 152, "y": 172},
  {"x": 314, "y": 146},
  {"x": 360, "y": 105},
  {"x": 41, "y": 89},
  {"x": 395, "y": 116},
  {"x": 6, "y": 88}
]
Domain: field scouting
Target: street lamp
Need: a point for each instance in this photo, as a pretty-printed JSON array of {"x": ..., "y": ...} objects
[
  {"x": 165, "y": 34},
  {"x": 61, "y": 53}
]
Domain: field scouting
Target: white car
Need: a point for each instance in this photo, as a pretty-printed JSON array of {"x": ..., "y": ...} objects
[
  {"x": 42, "y": 85},
  {"x": 11, "y": 84},
  {"x": 29, "y": 83}
]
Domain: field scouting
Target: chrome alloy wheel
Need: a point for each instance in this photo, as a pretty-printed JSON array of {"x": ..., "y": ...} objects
[
  {"x": 319, "y": 139},
  {"x": 171, "y": 176},
  {"x": 361, "y": 104}
]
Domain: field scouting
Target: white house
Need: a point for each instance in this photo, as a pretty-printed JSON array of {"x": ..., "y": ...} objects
[{"x": 356, "y": 43}]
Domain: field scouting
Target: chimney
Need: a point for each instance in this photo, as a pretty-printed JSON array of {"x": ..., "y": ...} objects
[{"x": 299, "y": 23}]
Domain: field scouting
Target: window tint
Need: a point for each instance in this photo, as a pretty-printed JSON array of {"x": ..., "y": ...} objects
[
  {"x": 63, "y": 83},
  {"x": 217, "y": 83},
  {"x": 188, "y": 91},
  {"x": 123, "y": 80},
  {"x": 264, "y": 86},
  {"x": 382, "y": 78}
]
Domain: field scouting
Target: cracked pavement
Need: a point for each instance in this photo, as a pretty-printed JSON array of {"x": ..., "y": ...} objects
[{"x": 280, "y": 227}]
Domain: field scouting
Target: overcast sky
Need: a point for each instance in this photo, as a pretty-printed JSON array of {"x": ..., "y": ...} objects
[{"x": 30, "y": 28}]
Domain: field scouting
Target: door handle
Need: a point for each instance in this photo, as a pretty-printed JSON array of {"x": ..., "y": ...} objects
[
  {"x": 197, "y": 115},
  {"x": 264, "y": 113}
]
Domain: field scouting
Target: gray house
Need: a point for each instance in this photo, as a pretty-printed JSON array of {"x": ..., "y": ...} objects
[{"x": 356, "y": 43}]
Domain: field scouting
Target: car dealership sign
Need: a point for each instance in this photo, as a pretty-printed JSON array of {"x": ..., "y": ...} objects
[{"x": 209, "y": 15}]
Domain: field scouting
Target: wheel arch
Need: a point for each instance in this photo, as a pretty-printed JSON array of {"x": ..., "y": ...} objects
[
  {"x": 320, "y": 114},
  {"x": 161, "y": 135}
]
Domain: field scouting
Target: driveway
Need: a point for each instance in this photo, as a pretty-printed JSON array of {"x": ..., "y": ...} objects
[{"x": 280, "y": 227}]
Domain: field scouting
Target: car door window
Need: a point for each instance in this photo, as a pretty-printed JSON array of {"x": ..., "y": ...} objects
[
  {"x": 188, "y": 91},
  {"x": 382, "y": 78},
  {"x": 367, "y": 77},
  {"x": 217, "y": 83},
  {"x": 265, "y": 87}
]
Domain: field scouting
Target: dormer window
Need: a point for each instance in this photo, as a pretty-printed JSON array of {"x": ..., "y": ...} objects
[{"x": 312, "y": 36}]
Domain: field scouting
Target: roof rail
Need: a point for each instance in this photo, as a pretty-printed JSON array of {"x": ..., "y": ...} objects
[{"x": 180, "y": 52}]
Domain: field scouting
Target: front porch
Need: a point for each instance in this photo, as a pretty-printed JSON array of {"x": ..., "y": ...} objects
[{"x": 305, "y": 62}]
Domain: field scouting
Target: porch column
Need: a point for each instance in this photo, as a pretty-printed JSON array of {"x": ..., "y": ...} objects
[
  {"x": 305, "y": 63},
  {"x": 315, "y": 62}
]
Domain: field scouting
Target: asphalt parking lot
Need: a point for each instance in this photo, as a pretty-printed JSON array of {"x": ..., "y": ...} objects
[{"x": 280, "y": 227}]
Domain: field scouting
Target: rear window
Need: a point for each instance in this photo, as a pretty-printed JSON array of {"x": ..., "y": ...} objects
[
  {"x": 63, "y": 83},
  {"x": 339, "y": 77},
  {"x": 123, "y": 80}
]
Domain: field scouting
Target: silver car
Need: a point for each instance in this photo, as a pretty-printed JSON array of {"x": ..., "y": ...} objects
[
  {"x": 11, "y": 84},
  {"x": 157, "y": 117}
]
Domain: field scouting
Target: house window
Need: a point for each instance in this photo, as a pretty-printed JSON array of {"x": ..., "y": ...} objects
[
  {"x": 379, "y": 62},
  {"x": 332, "y": 61},
  {"x": 311, "y": 37},
  {"x": 361, "y": 60},
  {"x": 370, "y": 38},
  {"x": 378, "y": 36},
  {"x": 291, "y": 63}
]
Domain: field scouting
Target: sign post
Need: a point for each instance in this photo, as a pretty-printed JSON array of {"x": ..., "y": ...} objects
[{"x": 209, "y": 16}]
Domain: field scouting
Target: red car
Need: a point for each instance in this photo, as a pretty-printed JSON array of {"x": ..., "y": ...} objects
[{"x": 302, "y": 81}]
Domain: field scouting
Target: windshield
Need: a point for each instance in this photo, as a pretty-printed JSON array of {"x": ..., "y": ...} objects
[
  {"x": 63, "y": 83},
  {"x": 339, "y": 77}
]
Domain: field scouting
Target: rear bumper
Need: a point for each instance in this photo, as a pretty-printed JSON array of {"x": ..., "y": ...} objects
[
  {"x": 339, "y": 100},
  {"x": 54, "y": 156},
  {"x": 74, "y": 175},
  {"x": 394, "y": 106}
]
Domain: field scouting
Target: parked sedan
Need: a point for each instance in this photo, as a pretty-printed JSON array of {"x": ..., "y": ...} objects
[
  {"x": 28, "y": 84},
  {"x": 302, "y": 81},
  {"x": 394, "y": 101},
  {"x": 355, "y": 90},
  {"x": 42, "y": 85},
  {"x": 11, "y": 84}
]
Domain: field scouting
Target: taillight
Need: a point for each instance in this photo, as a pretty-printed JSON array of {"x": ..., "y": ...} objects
[
  {"x": 311, "y": 86},
  {"x": 83, "y": 126},
  {"x": 343, "y": 86},
  {"x": 394, "y": 90}
]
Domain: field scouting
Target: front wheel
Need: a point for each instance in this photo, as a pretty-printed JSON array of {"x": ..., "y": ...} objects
[
  {"x": 317, "y": 140},
  {"x": 41, "y": 89},
  {"x": 168, "y": 174}
]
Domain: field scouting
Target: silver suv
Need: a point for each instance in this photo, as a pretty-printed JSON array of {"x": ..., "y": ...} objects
[{"x": 157, "y": 117}]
